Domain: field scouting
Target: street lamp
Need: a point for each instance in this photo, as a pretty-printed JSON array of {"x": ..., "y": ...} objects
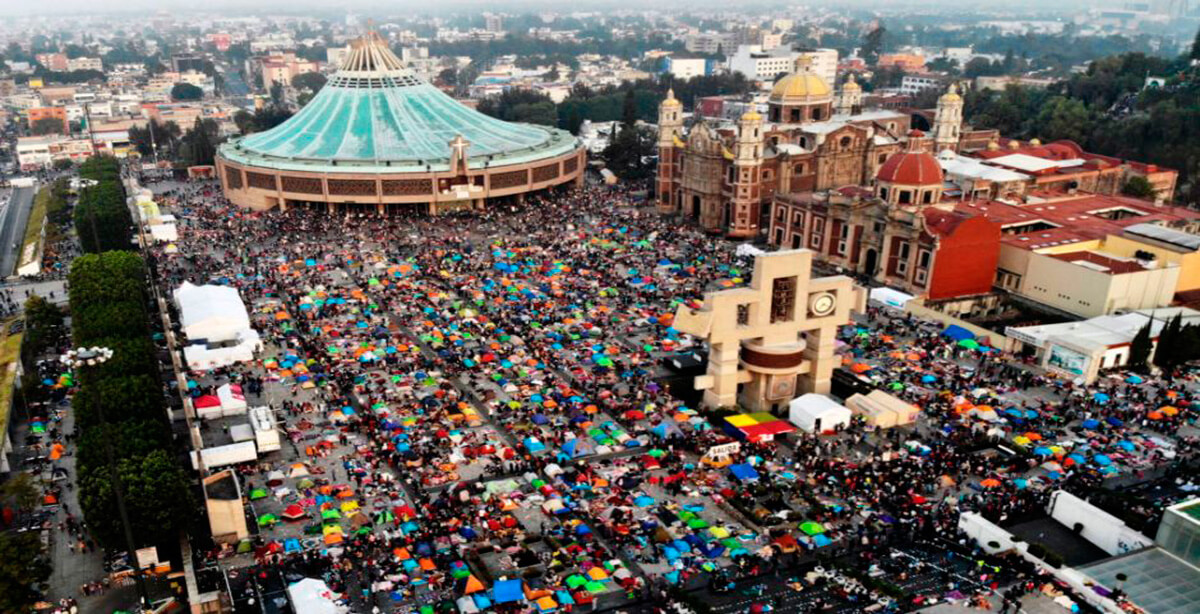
[{"x": 80, "y": 358}]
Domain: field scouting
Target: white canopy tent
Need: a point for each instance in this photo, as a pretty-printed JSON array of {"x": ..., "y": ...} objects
[
  {"x": 233, "y": 402},
  {"x": 313, "y": 596},
  {"x": 214, "y": 314},
  {"x": 814, "y": 413}
]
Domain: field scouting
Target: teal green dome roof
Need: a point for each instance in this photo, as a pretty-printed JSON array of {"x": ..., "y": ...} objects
[{"x": 374, "y": 115}]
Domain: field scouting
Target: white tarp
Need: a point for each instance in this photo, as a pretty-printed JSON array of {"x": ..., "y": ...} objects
[
  {"x": 215, "y": 314},
  {"x": 231, "y": 454},
  {"x": 816, "y": 412},
  {"x": 164, "y": 233},
  {"x": 233, "y": 402},
  {"x": 745, "y": 249},
  {"x": 312, "y": 596},
  {"x": 890, "y": 297},
  {"x": 203, "y": 358}
]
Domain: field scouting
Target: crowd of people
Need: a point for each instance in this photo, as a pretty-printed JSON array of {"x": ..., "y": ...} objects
[{"x": 468, "y": 398}]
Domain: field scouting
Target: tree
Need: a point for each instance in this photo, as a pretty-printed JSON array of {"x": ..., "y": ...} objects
[
  {"x": 872, "y": 45},
  {"x": 23, "y": 571},
  {"x": 1195, "y": 55},
  {"x": 629, "y": 111},
  {"x": 199, "y": 145},
  {"x": 47, "y": 125},
  {"x": 627, "y": 152},
  {"x": 448, "y": 77},
  {"x": 186, "y": 91},
  {"x": 62, "y": 164},
  {"x": 1169, "y": 351},
  {"x": 1138, "y": 187},
  {"x": 156, "y": 496},
  {"x": 277, "y": 94},
  {"x": 43, "y": 329},
  {"x": 311, "y": 82},
  {"x": 21, "y": 492},
  {"x": 1065, "y": 118},
  {"x": 1139, "y": 350}
]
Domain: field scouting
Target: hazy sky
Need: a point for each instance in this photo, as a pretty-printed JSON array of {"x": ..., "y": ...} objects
[{"x": 234, "y": 7}]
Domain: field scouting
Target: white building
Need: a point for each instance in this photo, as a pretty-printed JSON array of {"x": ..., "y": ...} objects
[
  {"x": 912, "y": 85},
  {"x": 85, "y": 64},
  {"x": 686, "y": 68},
  {"x": 764, "y": 64}
]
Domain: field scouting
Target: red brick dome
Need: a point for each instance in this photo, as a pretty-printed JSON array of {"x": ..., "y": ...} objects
[{"x": 912, "y": 166}]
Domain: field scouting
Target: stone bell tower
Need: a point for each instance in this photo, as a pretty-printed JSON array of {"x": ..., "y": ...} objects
[
  {"x": 743, "y": 209},
  {"x": 947, "y": 121},
  {"x": 670, "y": 132}
]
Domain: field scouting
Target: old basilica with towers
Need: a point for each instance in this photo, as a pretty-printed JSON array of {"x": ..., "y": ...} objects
[{"x": 726, "y": 176}]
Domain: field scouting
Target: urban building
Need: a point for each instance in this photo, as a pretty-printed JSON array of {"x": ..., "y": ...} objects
[
  {"x": 282, "y": 68},
  {"x": 56, "y": 62},
  {"x": 908, "y": 62},
  {"x": 912, "y": 85},
  {"x": 709, "y": 43},
  {"x": 376, "y": 135},
  {"x": 54, "y": 113}
]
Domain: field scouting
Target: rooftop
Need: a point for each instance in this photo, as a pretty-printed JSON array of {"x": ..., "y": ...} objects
[
  {"x": 1156, "y": 580},
  {"x": 1101, "y": 262}
]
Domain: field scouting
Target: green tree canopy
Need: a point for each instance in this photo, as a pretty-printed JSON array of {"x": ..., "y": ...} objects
[{"x": 186, "y": 91}]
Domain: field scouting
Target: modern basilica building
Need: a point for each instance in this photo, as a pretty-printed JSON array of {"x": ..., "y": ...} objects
[{"x": 378, "y": 136}]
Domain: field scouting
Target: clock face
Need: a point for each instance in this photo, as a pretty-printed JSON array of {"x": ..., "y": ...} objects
[{"x": 822, "y": 304}]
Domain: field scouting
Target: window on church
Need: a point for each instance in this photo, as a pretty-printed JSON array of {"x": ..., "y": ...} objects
[
  {"x": 905, "y": 197},
  {"x": 923, "y": 259},
  {"x": 883, "y": 193},
  {"x": 743, "y": 314},
  {"x": 927, "y": 197},
  {"x": 816, "y": 114},
  {"x": 795, "y": 116},
  {"x": 783, "y": 299},
  {"x": 799, "y": 169},
  {"x": 803, "y": 142},
  {"x": 846, "y": 142}
]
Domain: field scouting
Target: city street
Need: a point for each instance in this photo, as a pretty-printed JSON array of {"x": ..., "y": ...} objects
[{"x": 12, "y": 228}]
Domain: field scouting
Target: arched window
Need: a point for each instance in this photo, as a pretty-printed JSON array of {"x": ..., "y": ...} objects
[
  {"x": 883, "y": 193},
  {"x": 905, "y": 197},
  {"x": 846, "y": 142},
  {"x": 816, "y": 114}
]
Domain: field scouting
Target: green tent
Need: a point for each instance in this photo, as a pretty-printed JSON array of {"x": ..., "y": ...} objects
[
  {"x": 812, "y": 528},
  {"x": 258, "y": 493},
  {"x": 267, "y": 520},
  {"x": 330, "y": 514},
  {"x": 970, "y": 344}
]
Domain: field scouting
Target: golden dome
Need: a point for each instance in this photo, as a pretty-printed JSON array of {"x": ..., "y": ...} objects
[
  {"x": 1035, "y": 142},
  {"x": 670, "y": 100},
  {"x": 851, "y": 85},
  {"x": 993, "y": 146},
  {"x": 751, "y": 116},
  {"x": 800, "y": 85},
  {"x": 951, "y": 94}
]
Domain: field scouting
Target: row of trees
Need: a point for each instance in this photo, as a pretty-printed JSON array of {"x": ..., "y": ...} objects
[
  {"x": 119, "y": 407},
  {"x": 609, "y": 103},
  {"x": 101, "y": 214},
  {"x": 1177, "y": 345},
  {"x": 1109, "y": 110}
]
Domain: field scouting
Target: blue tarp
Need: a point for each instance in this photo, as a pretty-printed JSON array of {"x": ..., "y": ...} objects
[
  {"x": 508, "y": 591},
  {"x": 957, "y": 333},
  {"x": 743, "y": 472}
]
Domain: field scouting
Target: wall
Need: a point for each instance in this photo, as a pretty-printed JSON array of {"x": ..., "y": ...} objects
[
  {"x": 1189, "y": 263},
  {"x": 1087, "y": 292},
  {"x": 965, "y": 262},
  {"x": 1104, "y": 530}
]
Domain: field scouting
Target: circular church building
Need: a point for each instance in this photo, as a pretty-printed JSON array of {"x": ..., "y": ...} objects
[{"x": 377, "y": 135}]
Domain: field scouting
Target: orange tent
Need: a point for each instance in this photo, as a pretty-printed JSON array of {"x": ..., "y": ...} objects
[
  {"x": 990, "y": 483},
  {"x": 473, "y": 585},
  {"x": 1169, "y": 410},
  {"x": 427, "y": 564},
  {"x": 56, "y": 451}
]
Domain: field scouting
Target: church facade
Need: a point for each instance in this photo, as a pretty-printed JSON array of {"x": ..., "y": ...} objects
[{"x": 725, "y": 177}]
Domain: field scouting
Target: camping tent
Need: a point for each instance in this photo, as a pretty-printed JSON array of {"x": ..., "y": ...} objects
[
  {"x": 212, "y": 313},
  {"x": 816, "y": 412},
  {"x": 312, "y": 596},
  {"x": 233, "y": 402}
]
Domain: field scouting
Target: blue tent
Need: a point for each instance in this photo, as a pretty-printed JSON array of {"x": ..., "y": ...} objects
[
  {"x": 1126, "y": 445},
  {"x": 643, "y": 501},
  {"x": 928, "y": 379},
  {"x": 481, "y": 601},
  {"x": 1100, "y": 397},
  {"x": 821, "y": 541},
  {"x": 508, "y": 591},
  {"x": 1090, "y": 424},
  {"x": 291, "y": 545},
  {"x": 1102, "y": 460},
  {"x": 957, "y": 333},
  {"x": 743, "y": 472},
  {"x": 1134, "y": 379},
  {"x": 1114, "y": 421}
]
